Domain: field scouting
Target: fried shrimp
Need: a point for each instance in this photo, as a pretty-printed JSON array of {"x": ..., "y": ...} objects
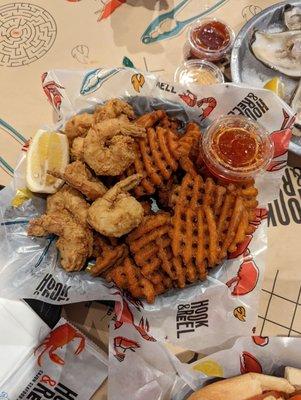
[
  {"x": 79, "y": 177},
  {"x": 117, "y": 212},
  {"x": 75, "y": 242},
  {"x": 109, "y": 147},
  {"x": 113, "y": 109},
  {"x": 78, "y": 126},
  {"x": 70, "y": 199},
  {"x": 66, "y": 217},
  {"x": 77, "y": 149}
]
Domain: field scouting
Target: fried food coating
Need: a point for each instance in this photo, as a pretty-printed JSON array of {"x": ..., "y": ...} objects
[
  {"x": 66, "y": 217},
  {"x": 79, "y": 177},
  {"x": 117, "y": 212},
  {"x": 109, "y": 146},
  {"x": 78, "y": 126},
  {"x": 112, "y": 109},
  {"x": 75, "y": 242},
  {"x": 77, "y": 149}
]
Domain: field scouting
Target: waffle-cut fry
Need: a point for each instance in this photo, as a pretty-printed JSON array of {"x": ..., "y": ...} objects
[
  {"x": 118, "y": 276},
  {"x": 241, "y": 232},
  {"x": 138, "y": 286},
  {"x": 209, "y": 221},
  {"x": 147, "y": 225},
  {"x": 150, "y": 245},
  {"x": 106, "y": 255},
  {"x": 127, "y": 276},
  {"x": 166, "y": 147},
  {"x": 169, "y": 123},
  {"x": 213, "y": 250},
  {"x": 150, "y": 119},
  {"x": 230, "y": 230},
  {"x": 155, "y": 159},
  {"x": 188, "y": 140}
]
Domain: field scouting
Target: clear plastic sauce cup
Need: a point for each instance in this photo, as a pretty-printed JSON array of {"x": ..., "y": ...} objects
[
  {"x": 236, "y": 148},
  {"x": 198, "y": 72},
  {"x": 210, "y": 39}
]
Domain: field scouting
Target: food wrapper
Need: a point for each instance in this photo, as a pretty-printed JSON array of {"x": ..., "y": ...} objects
[
  {"x": 65, "y": 365},
  {"x": 217, "y": 310},
  {"x": 158, "y": 375}
]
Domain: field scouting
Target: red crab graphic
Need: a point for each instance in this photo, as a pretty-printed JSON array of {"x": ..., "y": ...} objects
[
  {"x": 260, "y": 340},
  {"x": 52, "y": 92},
  {"x": 60, "y": 337},
  {"x": 121, "y": 345},
  {"x": 127, "y": 317},
  {"x": 189, "y": 98},
  {"x": 281, "y": 140},
  {"x": 246, "y": 278},
  {"x": 248, "y": 363},
  {"x": 207, "y": 105}
]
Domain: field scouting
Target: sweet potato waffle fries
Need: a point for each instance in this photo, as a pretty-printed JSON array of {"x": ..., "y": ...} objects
[{"x": 97, "y": 218}]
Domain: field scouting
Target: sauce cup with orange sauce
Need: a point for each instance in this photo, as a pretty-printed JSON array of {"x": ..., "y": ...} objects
[{"x": 236, "y": 148}]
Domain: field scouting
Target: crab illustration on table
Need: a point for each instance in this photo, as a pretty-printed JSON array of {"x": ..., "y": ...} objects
[{"x": 57, "y": 338}]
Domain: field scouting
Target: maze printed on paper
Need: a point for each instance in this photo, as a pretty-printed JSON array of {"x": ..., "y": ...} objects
[{"x": 27, "y": 33}]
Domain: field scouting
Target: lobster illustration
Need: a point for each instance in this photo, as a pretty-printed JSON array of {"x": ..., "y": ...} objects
[
  {"x": 189, "y": 98},
  {"x": 260, "y": 340},
  {"x": 127, "y": 317},
  {"x": 51, "y": 89},
  {"x": 248, "y": 363},
  {"x": 207, "y": 105},
  {"x": 60, "y": 337},
  {"x": 281, "y": 140},
  {"x": 246, "y": 278},
  {"x": 121, "y": 345}
]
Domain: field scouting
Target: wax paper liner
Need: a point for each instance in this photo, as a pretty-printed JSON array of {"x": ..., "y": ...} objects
[
  {"x": 140, "y": 369},
  {"x": 221, "y": 308},
  {"x": 65, "y": 365}
]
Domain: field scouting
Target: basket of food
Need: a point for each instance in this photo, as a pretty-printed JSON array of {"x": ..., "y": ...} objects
[{"x": 150, "y": 195}]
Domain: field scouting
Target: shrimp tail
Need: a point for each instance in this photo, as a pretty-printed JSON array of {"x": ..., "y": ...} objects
[
  {"x": 130, "y": 182},
  {"x": 123, "y": 186}
]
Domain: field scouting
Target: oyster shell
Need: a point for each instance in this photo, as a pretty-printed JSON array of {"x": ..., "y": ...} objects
[
  {"x": 280, "y": 51},
  {"x": 292, "y": 17}
]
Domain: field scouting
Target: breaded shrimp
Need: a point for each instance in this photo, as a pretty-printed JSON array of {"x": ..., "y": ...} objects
[
  {"x": 117, "y": 212},
  {"x": 78, "y": 126},
  {"x": 75, "y": 242},
  {"x": 70, "y": 199},
  {"x": 77, "y": 149},
  {"x": 79, "y": 177},
  {"x": 109, "y": 147},
  {"x": 113, "y": 109}
]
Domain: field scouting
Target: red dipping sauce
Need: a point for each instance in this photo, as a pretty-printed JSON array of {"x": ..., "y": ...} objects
[
  {"x": 210, "y": 39},
  {"x": 235, "y": 148}
]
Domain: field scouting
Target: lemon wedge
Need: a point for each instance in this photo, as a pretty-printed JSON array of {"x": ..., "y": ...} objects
[
  {"x": 47, "y": 151},
  {"x": 276, "y": 86},
  {"x": 209, "y": 368}
]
